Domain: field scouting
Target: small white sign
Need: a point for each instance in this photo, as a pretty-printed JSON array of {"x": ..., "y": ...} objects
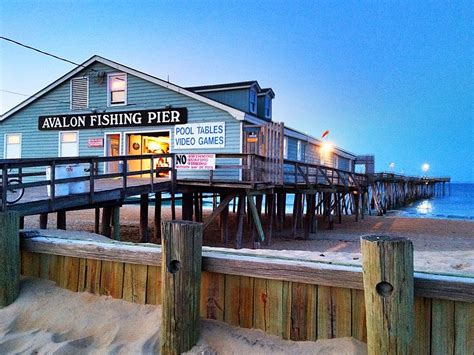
[
  {"x": 199, "y": 135},
  {"x": 195, "y": 161}
]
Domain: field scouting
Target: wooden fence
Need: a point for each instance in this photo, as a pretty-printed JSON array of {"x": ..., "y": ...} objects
[{"x": 298, "y": 300}]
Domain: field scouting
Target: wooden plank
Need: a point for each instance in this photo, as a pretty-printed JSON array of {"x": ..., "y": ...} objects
[
  {"x": 422, "y": 326},
  {"x": 312, "y": 313},
  {"x": 359, "y": 328},
  {"x": 69, "y": 275},
  {"x": 286, "y": 309},
  {"x": 325, "y": 328},
  {"x": 299, "y": 300},
  {"x": 111, "y": 279},
  {"x": 342, "y": 312},
  {"x": 81, "y": 285},
  {"x": 442, "y": 327},
  {"x": 153, "y": 285},
  {"x": 232, "y": 300},
  {"x": 55, "y": 267},
  {"x": 464, "y": 328},
  {"x": 260, "y": 304},
  {"x": 246, "y": 302},
  {"x": 44, "y": 266},
  {"x": 134, "y": 283},
  {"x": 212, "y": 295},
  {"x": 93, "y": 274},
  {"x": 30, "y": 264}
]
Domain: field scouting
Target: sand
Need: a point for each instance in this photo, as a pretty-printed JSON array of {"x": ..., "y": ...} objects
[
  {"x": 441, "y": 246},
  {"x": 46, "y": 319}
]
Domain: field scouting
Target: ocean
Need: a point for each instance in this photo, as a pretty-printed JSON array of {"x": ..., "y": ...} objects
[{"x": 458, "y": 205}]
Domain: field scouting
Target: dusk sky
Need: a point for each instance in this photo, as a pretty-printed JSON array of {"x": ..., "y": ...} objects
[{"x": 394, "y": 79}]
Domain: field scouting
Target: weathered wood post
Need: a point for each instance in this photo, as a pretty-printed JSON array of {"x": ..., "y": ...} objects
[
  {"x": 388, "y": 286},
  {"x": 181, "y": 285},
  {"x": 9, "y": 258}
]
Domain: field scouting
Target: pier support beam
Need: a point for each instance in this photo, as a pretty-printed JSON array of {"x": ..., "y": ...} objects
[
  {"x": 389, "y": 296},
  {"x": 187, "y": 207},
  {"x": 144, "y": 238},
  {"x": 181, "y": 285},
  {"x": 116, "y": 222},
  {"x": 43, "y": 221},
  {"x": 10, "y": 256},
  {"x": 61, "y": 220},
  {"x": 157, "y": 218},
  {"x": 106, "y": 216},
  {"x": 96, "y": 220}
]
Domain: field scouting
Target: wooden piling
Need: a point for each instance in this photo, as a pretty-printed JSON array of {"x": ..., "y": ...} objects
[
  {"x": 116, "y": 222},
  {"x": 187, "y": 207},
  {"x": 389, "y": 296},
  {"x": 61, "y": 220},
  {"x": 43, "y": 221},
  {"x": 106, "y": 216},
  {"x": 10, "y": 256},
  {"x": 157, "y": 217},
  {"x": 181, "y": 284},
  {"x": 96, "y": 220},
  {"x": 144, "y": 218}
]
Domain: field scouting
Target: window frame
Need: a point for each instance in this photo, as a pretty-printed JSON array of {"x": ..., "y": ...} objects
[
  {"x": 268, "y": 107},
  {"x": 109, "y": 91},
  {"x": 299, "y": 151},
  {"x": 5, "y": 144},
  {"x": 60, "y": 143},
  {"x": 253, "y": 94},
  {"x": 70, "y": 93}
]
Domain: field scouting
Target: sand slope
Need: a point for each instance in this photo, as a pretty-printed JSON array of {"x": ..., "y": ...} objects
[{"x": 46, "y": 319}]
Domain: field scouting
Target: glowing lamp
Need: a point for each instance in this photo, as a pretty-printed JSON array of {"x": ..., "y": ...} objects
[
  {"x": 327, "y": 147},
  {"x": 425, "y": 167}
]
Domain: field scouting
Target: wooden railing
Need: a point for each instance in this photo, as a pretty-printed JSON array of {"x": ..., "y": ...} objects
[
  {"x": 298, "y": 172},
  {"x": 87, "y": 171}
]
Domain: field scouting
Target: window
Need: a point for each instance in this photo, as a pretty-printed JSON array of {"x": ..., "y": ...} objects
[
  {"x": 299, "y": 151},
  {"x": 268, "y": 106},
  {"x": 253, "y": 101},
  {"x": 12, "y": 146},
  {"x": 68, "y": 144},
  {"x": 285, "y": 148},
  {"x": 117, "y": 89},
  {"x": 79, "y": 93},
  {"x": 335, "y": 161}
]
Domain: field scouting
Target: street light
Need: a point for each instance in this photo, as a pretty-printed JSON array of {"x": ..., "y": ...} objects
[
  {"x": 425, "y": 167},
  {"x": 391, "y": 166}
]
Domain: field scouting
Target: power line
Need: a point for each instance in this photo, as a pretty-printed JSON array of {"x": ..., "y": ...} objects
[
  {"x": 43, "y": 52},
  {"x": 26, "y": 95}
]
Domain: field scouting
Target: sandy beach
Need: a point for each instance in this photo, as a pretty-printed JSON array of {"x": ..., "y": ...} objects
[
  {"x": 46, "y": 319},
  {"x": 441, "y": 245}
]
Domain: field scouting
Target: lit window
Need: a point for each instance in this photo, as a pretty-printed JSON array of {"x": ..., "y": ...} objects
[
  {"x": 117, "y": 89},
  {"x": 13, "y": 146},
  {"x": 253, "y": 101},
  {"x": 68, "y": 144},
  {"x": 285, "y": 148},
  {"x": 268, "y": 106}
]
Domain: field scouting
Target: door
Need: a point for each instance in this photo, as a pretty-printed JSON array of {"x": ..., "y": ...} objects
[
  {"x": 267, "y": 141},
  {"x": 112, "y": 149}
]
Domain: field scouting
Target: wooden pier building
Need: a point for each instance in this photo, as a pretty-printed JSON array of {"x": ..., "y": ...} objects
[{"x": 104, "y": 132}]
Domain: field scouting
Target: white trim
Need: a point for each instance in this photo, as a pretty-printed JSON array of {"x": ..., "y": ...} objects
[
  {"x": 70, "y": 93},
  {"x": 109, "y": 98},
  {"x": 59, "y": 142},
  {"x": 237, "y": 114},
  {"x": 241, "y": 149},
  {"x": 5, "y": 138},
  {"x": 105, "y": 146}
]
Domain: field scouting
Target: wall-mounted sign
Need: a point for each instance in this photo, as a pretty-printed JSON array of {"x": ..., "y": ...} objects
[
  {"x": 195, "y": 161},
  {"x": 154, "y": 117},
  {"x": 95, "y": 143},
  {"x": 252, "y": 137},
  {"x": 199, "y": 135}
]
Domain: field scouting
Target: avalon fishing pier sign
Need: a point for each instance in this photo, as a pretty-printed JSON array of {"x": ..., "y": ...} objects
[{"x": 153, "y": 117}]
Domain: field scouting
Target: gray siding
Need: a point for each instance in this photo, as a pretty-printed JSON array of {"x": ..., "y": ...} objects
[
  {"x": 239, "y": 99},
  {"x": 141, "y": 94}
]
